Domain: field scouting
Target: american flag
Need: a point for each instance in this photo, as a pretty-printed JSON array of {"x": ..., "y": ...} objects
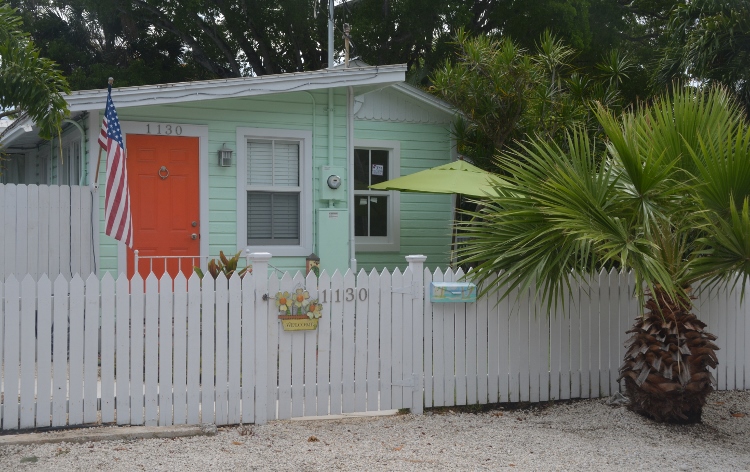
[{"x": 117, "y": 199}]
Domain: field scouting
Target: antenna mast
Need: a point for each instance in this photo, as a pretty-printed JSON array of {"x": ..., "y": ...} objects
[{"x": 330, "y": 34}]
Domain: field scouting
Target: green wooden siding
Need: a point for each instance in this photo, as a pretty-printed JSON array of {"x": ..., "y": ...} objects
[
  {"x": 282, "y": 111},
  {"x": 425, "y": 218}
]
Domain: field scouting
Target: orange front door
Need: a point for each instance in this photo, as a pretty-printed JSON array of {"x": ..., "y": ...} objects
[{"x": 163, "y": 175}]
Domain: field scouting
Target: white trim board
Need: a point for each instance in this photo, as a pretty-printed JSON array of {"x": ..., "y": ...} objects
[{"x": 363, "y": 77}]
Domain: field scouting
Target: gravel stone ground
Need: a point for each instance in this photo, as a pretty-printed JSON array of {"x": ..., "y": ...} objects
[{"x": 577, "y": 436}]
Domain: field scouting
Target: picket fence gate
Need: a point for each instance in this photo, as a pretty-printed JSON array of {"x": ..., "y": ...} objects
[
  {"x": 186, "y": 351},
  {"x": 47, "y": 229}
]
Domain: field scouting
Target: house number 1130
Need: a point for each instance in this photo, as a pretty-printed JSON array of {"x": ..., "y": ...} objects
[
  {"x": 348, "y": 295},
  {"x": 160, "y": 128}
]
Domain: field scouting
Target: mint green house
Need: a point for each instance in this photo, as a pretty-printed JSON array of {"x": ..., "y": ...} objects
[{"x": 300, "y": 151}]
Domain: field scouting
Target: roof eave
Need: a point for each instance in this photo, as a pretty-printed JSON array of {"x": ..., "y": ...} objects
[
  {"x": 425, "y": 97},
  {"x": 363, "y": 77}
]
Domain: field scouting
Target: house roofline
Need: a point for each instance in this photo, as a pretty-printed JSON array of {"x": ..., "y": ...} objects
[
  {"x": 411, "y": 90},
  {"x": 427, "y": 98},
  {"x": 238, "y": 87}
]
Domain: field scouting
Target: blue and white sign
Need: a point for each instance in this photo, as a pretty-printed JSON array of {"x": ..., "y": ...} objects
[{"x": 453, "y": 292}]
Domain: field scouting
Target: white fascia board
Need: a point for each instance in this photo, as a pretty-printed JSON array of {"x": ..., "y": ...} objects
[
  {"x": 239, "y": 87},
  {"x": 425, "y": 97},
  {"x": 17, "y": 130}
]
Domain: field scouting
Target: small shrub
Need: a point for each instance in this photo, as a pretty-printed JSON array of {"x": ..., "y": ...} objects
[{"x": 224, "y": 265}]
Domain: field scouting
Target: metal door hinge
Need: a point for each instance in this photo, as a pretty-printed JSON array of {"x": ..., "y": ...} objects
[{"x": 413, "y": 290}]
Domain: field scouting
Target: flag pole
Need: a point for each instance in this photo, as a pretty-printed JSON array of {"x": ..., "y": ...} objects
[{"x": 99, "y": 160}]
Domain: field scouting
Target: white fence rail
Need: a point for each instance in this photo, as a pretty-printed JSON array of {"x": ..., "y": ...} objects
[
  {"x": 160, "y": 352},
  {"x": 46, "y": 230}
]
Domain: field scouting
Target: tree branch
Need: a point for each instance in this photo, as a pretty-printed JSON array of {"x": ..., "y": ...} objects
[
  {"x": 9, "y": 112},
  {"x": 161, "y": 20}
]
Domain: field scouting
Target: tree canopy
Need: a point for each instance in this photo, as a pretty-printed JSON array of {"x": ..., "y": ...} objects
[
  {"x": 29, "y": 83},
  {"x": 506, "y": 93},
  {"x": 709, "y": 41},
  {"x": 152, "y": 41}
]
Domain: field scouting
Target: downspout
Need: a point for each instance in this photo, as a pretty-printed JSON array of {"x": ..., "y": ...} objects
[
  {"x": 312, "y": 97},
  {"x": 84, "y": 165},
  {"x": 350, "y": 163},
  {"x": 330, "y": 90},
  {"x": 330, "y": 135}
]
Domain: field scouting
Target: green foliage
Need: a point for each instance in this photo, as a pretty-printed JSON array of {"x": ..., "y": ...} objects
[
  {"x": 151, "y": 41},
  {"x": 224, "y": 266},
  {"x": 709, "y": 41},
  {"x": 506, "y": 93},
  {"x": 668, "y": 199},
  {"x": 29, "y": 83}
]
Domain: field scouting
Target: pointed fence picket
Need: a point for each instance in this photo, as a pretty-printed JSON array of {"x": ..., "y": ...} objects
[{"x": 184, "y": 351}]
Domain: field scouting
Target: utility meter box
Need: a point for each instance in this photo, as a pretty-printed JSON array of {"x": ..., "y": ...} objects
[
  {"x": 333, "y": 239},
  {"x": 332, "y": 185}
]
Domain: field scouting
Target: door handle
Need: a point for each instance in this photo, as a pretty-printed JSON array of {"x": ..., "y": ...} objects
[{"x": 193, "y": 236}]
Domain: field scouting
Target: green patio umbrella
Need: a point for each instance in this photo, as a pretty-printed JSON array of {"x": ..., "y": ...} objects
[{"x": 455, "y": 177}]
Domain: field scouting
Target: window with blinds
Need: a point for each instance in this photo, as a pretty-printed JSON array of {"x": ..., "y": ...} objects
[{"x": 273, "y": 192}]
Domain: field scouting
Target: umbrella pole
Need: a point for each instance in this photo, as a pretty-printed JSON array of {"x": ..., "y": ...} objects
[{"x": 454, "y": 238}]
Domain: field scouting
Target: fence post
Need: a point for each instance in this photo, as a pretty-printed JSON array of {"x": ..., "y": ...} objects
[
  {"x": 416, "y": 264},
  {"x": 260, "y": 270}
]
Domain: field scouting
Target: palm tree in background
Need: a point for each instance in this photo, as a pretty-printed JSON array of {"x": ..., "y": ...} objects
[
  {"x": 29, "y": 83},
  {"x": 669, "y": 199}
]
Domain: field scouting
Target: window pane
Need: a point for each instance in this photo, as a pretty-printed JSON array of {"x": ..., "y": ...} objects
[
  {"x": 258, "y": 216},
  {"x": 286, "y": 164},
  {"x": 379, "y": 169},
  {"x": 285, "y": 216},
  {"x": 259, "y": 163},
  {"x": 273, "y": 218},
  {"x": 361, "y": 169},
  {"x": 361, "y": 215},
  {"x": 378, "y": 216}
]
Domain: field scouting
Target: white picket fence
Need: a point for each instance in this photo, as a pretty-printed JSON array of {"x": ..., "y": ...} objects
[
  {"x": 46, "y": 230},
  {"x": 161, "y": 352}
]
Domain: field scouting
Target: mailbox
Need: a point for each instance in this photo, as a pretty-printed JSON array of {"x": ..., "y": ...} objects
[{"x": 453, "y": 292}]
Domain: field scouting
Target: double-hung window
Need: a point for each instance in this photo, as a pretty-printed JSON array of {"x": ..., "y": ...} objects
[
  {"x": 275, "y": 203},
  {"x": 376, "y": 212}
]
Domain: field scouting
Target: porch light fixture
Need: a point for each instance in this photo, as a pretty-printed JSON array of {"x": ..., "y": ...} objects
[{"x": 225, "y": 156}]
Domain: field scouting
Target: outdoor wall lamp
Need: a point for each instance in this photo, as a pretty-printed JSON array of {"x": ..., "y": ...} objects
[{"x": 225, "y": 156}]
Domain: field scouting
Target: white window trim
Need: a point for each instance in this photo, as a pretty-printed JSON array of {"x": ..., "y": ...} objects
[
  {"x": 392, "y": 242},
  {"x": 304, "y": 248}
]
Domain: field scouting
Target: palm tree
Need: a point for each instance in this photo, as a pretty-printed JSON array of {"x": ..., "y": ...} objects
[
  {"x": 29, "y": 83},
  {"x": 669, "y": 199}
]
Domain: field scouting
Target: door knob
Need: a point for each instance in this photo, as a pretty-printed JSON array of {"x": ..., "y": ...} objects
[
  {"x": 193, "y": 236},
  {"x": 194, "y": 224}
]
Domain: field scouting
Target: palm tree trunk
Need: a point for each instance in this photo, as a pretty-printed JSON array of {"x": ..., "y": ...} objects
[{"x": 666, "y": 366}]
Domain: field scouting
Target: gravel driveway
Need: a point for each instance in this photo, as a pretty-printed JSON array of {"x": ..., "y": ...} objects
[{"x": 576, "y": 436}]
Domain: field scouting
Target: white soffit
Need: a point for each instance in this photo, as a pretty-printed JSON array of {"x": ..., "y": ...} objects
[{"x": 403, "y": 103}]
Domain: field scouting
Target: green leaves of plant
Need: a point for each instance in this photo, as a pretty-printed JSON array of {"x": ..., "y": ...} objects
[
  {"x": 28, "y": 82},
  {"x": 669, "y": 200}
]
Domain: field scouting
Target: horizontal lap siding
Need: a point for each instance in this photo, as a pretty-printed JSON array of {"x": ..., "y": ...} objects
[
  {"x": 425, "y": 218},
  {"x": 283, "y": 111}
]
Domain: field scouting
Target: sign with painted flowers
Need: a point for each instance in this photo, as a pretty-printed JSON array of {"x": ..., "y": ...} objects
[{"x": 297, "y": 311}]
